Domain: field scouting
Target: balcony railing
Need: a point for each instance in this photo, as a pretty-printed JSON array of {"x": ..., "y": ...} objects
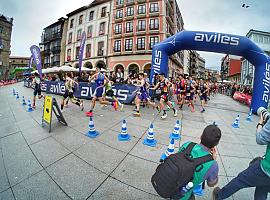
[{"x": 56, "y": 49}]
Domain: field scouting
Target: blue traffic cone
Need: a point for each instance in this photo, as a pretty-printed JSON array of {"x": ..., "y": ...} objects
[
  {"x": 249, "y": 119},
  {"x": 236, "y": 122},
  {"x": 14, "y": 93},
  {"x": 92, "y": 133},
  {"x": 149, "y": 140},
  {"x": 198, "y": 190},
  {"x": 17, "y": 95},
  {"x": 215, "y": 123},
  {"x": 169, "y": 151},
  {"x": 30, "y": 109},
  {"x": 124, "y": 136},
  {"x": 176, "y": 132},
  {"x": 23, "y": 101}
]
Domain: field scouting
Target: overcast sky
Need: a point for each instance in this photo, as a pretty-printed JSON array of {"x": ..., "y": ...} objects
[{"x": 31, "y": 16}]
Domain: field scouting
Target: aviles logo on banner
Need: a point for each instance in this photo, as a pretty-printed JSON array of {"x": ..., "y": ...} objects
[
  {"x": 217, "y": 38},
  {"x": 266, "y": 83},
  {"x": 157, "y": 61},
  {"x": 36, "y": 56}
]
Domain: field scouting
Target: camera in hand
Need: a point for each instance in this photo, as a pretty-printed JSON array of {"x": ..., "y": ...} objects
[{"x": 262, "y": 111}]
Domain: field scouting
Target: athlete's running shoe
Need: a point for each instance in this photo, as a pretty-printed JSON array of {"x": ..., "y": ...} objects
[
  {"x": 115, "y": 105},
  {"x": 193, "y": 109},
  {"x": 137, "y": 114},
  {"x": 89, "y": 114},
  {"x": 203, "y": 110},
  {"x": 158, "y": 109},
  {"x": 175, "y": 113},
  {"x": 122, "y": 107},
  {"x": 164, "y": 116},
  {"x": 81, "y": 105},
  {"x": 33, "y": 106}
]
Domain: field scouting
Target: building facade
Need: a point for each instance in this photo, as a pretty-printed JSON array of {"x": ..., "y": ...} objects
[
  {"x": 201, "y": 67},
  {"x": 52, "y": 48},
  {"x": 94, "y": 20},
  {"x": 5, "y": 40},
  {"x": 17, "y": 62},
  {"x": 232, "y": 65},
  {"x": 262, "y": 39},
  {"x": 135, "y": 27}
]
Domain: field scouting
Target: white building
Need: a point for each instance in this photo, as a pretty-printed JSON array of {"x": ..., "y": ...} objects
[
  {"x": 94, "y": 20},
  {"x": 262, "y": 39}
]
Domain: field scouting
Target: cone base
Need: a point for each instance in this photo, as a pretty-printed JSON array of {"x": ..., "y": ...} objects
[
  {"x": 150, "y": 144},
  {"x": 235, "y": 126},
  {"x": 23, "y": 104},
  {"x": 176, "y": 137},
  {"x": 198, "y": 191},
  {"x": 30, "y": 110},
  {"x": 249, "y": 119},
  {"x": 163, "y": 157},
  {"x": 92, "y": 134},
  {"x": 125, "y": 138}
]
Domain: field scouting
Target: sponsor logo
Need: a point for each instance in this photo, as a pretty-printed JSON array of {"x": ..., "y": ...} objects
[
  {"x": 157, "y": 61},
  {"x": 36, "y": 54},
  {"x": 57, "y": 88},
  {"x": 266, "y": 83},
  {"x": 217, "y": 38}
]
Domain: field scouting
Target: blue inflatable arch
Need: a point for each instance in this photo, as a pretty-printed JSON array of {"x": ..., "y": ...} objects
[{"x": 220, "y": 43}]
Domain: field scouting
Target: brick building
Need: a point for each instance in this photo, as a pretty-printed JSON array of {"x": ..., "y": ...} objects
[{"x": 232, "y": 64}]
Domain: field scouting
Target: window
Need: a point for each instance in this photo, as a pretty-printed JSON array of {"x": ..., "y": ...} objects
[
  {"x": 141, "y": 9},
  {"x": 100, "y": 48},
  {"x": 130, "y": 1},
  {"x": 79, "y": 34},
  {"x": 119, "y": 2},
  {"x": 103, "y": 12},
  {"x": 154, "y": 7},
  {"x": 118, "y": 28},
  {"x": 141, "y": 43},
  {"x": 88, "y": 51},
  {"x": 141, "y": 25},
  {"x": 119, "y": 14},
  {"x": 154, "y": 24},
  {"x": 77, "y": 52},
  {"x": 89, "y": 31},
  {"x": 117, "y": 46},
  {"x": 91, "y": 16},
  {"x": 69, "y": 55},
  {"x": 128, "y": 44},
  {"x": 80, "y": 19},
  {"x": 129, "y": 27},
  {"x": 260, "y": 39},
  {"x": 102, "y": 28},
  {"x": 71, "y": 23},
  {"x": 69, "y": 38},
  {"x": 130, "y": 11},
  {"x": 153, "y": 40}
]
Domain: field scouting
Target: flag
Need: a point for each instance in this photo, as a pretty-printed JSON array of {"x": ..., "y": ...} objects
[
  {"x": 30, "y": 61},
  {"x": 81, "y": 51},
  {"x": 37, "y": 58}
]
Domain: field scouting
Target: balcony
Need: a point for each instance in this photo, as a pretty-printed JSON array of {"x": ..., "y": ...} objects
[
  {"x": 120, "y": 19},
  {"x": 119, "y": 5},
  {"x": 169, "y": 5},
  {"x": 118, "y": 35},
  {"x": 139, "y": 16},
  {"x": 47, "y": 51},
  {"x": 169, "y": 19},
  {"x": 154, "y": 31},
  {"x": 56, "y": 49},
  {"x": 101, "y": 32},
  {"x": 129, "y": 34},
  {"x": 56, "y": 63},
  {"x": 130, "y": 2},
  {"x": 141, "y": 1},
  {"x": 46, "y": 65},
  {"x": 153, "y": 14},
  {"x": 89, "y": 35},
  {"x": 129, "y": 17}
]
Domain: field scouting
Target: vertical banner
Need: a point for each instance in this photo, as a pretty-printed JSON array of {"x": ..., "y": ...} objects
[
  {"x": 81, "y": 51},
  {"x": 37, "y": 58},
  {"x": 30, "y": 62}
]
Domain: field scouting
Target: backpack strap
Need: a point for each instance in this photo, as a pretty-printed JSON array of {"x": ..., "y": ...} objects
[
  {"x": 201, "y": 160},
  {"x": 189, "y": 148}
]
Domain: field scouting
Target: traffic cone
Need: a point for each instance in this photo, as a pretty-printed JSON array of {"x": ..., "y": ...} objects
[
  {"x": 17, "y": 95},
  {"x": 149, "y": 140},
  {"x": 14, "y": 93},
  {"x": 30, "y": 109},
  {"x": 198, "y": 190},
  {"x": 124, "y": 136},
  {"x": 23, "y": 101},
  {"x": 249, "y": 119},
  {"x": 169, "y": 151},
  {"x": 92, "y": 133},
  {"x": 176, "y": 132},
  {"x": 236, "y": 122}
]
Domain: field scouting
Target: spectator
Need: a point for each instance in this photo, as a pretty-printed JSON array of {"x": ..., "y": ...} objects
[{"x": 119, "y": 76}]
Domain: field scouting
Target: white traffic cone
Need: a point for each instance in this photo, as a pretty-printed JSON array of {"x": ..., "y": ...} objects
[
  {"x": 169, "y": 151},
  {"x": 124, "y": 136}
]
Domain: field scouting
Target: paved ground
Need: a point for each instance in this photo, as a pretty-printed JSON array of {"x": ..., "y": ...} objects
[{"x": 66, "y": 164}]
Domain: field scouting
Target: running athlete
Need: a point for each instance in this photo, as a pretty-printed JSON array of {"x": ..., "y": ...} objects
[
  {"x": 190, "y": 89},
  {"x": 177, "y": 90},
  {"x": 203, "y": 89},
  {"x": 142, "y": 95},
  {"x": 164, "y": 84},
  {"x": 110, "y": 94},
  {"x": 182, "y": 90},
  {"x": 69, "y": 92},
  {"x": 100, "y": 81},
  {"x": 37, "y": 89}
]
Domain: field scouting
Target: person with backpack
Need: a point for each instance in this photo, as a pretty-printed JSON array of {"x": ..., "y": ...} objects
[{"x": 194, "y": 164}]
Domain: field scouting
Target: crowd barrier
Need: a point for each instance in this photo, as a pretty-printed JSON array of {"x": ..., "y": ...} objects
[
  {"x": 7, "y": 83},
  {"x": 124, "y": 92},
  {"x": 243, "y": 98}
]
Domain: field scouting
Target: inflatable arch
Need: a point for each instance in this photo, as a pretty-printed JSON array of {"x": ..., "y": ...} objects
[{"x": 220, "y": 43}]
